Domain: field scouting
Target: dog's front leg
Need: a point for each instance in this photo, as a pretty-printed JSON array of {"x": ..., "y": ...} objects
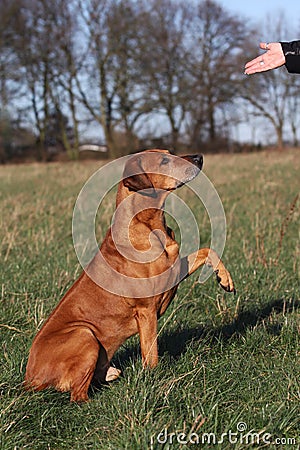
[
  {"x": 208, "y": 256},
  {"x": 147, "y": 327}
]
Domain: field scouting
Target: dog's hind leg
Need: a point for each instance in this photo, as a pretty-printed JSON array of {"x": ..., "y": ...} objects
[
  {"x": 65, "y": 360},
  {"x": 103, "y": 371},
  {"x": 81, "y": 364}
]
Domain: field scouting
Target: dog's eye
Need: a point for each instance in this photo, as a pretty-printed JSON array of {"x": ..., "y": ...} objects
[{"x": 165, "y": 160}]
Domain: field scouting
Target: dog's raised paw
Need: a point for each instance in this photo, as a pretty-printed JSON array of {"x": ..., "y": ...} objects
[{"x": 225, "y": 281}]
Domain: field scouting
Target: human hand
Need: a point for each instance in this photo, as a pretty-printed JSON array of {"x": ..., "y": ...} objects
[{"x": 273, "y": 58}]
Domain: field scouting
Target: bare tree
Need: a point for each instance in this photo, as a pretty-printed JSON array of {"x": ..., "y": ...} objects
[
  {"x": 273, "y": 95},
  {"x": 98, "y": 89},
  {"x": 43, "y": 41},
  {"x": 269, "y": 98},
  {"x": 114, "y": 94},
  {"x": 10, "y": 20},
  {"x": 218, "y": 37},
  {"x": 65, "y": 71},
  {"x": 293, "y": 108},
  {"x": 125, "y": 34},
  {"x": 162, "y": 57},
  {"x": 37, "y": 56}
]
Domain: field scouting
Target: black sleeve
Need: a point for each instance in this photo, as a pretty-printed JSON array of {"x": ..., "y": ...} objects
[{"x": 291, "y": 52}]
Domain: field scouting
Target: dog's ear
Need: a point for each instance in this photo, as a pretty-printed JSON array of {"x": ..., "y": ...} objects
[{"x": 134, "y": 176}]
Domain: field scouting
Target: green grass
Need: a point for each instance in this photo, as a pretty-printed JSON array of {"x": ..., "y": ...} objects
[{"x": 223, "y": 359}]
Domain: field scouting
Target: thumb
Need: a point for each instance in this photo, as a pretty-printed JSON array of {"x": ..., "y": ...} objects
[{"x": 263, "y": 45}]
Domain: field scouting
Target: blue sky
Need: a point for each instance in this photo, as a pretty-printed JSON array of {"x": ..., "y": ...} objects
[{"x": 258, "y": 10}]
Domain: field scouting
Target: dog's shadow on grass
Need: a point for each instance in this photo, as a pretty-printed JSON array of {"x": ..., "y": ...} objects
[
  {"x": 249, "y": 319},
  {"x": 174, "y": 343}
]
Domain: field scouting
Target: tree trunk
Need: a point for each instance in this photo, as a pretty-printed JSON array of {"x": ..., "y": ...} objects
[
  {"x": 75, "y": 146},
  {"x": 279, "y": 137},
  {"x": 211, "y": 120}
]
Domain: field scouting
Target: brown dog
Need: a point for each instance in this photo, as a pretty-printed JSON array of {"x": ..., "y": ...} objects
[{"x": 126, "y": 288}]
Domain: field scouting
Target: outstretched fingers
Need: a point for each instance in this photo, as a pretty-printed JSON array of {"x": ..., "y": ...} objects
[{"x": 271, "y": 59}]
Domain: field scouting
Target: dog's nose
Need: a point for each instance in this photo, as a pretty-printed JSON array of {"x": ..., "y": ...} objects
[{"x": 199, "y": 161}]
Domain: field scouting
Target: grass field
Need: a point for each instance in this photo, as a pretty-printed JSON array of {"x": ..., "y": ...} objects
[{"x": 228, "y": 364}]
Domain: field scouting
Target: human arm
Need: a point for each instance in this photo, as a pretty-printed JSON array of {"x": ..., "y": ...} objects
[{"x": 291, "y": 51}]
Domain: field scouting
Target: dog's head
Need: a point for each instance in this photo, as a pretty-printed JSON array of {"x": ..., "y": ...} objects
[{"x": 154, "y": 170}]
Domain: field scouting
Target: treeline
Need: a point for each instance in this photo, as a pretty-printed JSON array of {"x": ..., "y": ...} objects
[{"x": 166, "y": 71}]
